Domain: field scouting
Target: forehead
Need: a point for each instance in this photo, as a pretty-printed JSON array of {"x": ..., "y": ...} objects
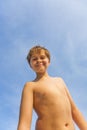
[{"x": 38, "y": 53}]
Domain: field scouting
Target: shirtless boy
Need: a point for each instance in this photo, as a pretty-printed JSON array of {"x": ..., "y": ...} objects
[{"x": 49, "y": 97}]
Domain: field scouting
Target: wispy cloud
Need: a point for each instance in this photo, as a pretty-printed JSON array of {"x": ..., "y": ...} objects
[{"x": 61, "y": 26}]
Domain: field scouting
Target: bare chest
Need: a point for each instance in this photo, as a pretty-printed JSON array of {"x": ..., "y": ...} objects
[{"x": 49, "y": 95}]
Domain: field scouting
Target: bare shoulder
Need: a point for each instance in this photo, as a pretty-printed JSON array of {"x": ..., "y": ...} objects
[
  {"x": 60, "y": 79},
  {"x": 28, "y": 87}
]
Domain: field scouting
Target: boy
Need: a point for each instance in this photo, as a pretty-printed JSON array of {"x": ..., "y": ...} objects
[{"x": 49, "y": 97}]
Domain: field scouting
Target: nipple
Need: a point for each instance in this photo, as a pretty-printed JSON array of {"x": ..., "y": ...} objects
[{"x": 66, "y": 124}]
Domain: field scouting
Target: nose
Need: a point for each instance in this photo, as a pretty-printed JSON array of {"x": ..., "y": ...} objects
[{"x": 39, "y": 60}]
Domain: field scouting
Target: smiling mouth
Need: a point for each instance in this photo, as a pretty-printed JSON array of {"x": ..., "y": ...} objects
[{"x": 40, "y": 64}]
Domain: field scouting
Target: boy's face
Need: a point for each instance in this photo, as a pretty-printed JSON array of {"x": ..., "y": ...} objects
[{"x": 39, "y": 62}]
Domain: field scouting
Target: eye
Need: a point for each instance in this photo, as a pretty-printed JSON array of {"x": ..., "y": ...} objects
[
  {"x": 34, "y": 59},
  {"x": 42, "y": 57}
]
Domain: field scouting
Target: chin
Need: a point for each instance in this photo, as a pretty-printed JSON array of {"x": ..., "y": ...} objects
[{"x": 40, "y": 72}]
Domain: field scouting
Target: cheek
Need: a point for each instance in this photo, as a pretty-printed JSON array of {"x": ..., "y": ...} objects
[{"x": 46, "y": 62}]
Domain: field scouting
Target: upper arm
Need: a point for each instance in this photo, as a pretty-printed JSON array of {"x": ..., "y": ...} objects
[{"x": 26, "y": 106}]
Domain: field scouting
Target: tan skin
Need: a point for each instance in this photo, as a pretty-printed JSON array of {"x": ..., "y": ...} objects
[{"x": 50, "y": 99}]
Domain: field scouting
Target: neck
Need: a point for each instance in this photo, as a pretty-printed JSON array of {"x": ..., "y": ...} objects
[{"x": 41, "y": 75}]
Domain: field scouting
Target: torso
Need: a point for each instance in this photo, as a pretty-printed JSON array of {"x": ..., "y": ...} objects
[{"x": 52, "y": 105}]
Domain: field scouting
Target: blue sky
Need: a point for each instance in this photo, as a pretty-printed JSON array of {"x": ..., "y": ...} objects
[{"x": 60, "y": 26}]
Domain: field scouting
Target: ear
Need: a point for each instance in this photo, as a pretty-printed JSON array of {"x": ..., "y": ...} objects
[
  {"x": 30, "y": 65},
  {"x": 49, "y": 62}
]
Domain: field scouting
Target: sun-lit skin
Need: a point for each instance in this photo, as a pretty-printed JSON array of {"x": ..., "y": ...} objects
[{"x": 50, "y": 98}]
